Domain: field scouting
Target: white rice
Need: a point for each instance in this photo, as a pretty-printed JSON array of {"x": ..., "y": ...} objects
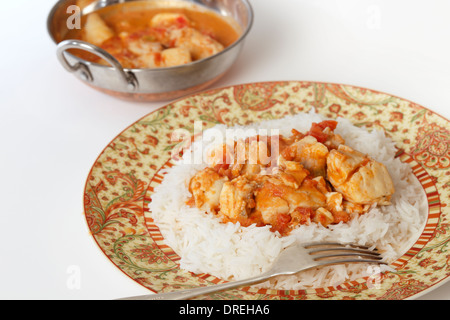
[{"x": 231, "y": 252}]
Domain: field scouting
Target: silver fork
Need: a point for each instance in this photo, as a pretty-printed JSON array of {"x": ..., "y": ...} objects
[{"x": 293, "y": 259}]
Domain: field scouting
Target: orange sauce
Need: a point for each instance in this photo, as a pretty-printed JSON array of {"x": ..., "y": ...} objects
[{"x": 134, "y": 17}]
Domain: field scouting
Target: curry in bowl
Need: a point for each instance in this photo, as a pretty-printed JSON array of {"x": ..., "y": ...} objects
[{"x": 154, "y": 37}]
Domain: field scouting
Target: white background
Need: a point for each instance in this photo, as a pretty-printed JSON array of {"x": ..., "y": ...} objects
[{"x": 53, "y": 127}]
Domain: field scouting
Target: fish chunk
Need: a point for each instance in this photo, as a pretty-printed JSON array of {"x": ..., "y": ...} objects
[
  {"x": 168, "y": 19},
  {"x": 175, "y": 56},
  {"x": 270, "y": 202},
  {"x": 237, "y": 198},
  {"x": 310, "y": 153},
  {"x": 206, "y": 187},
  {"x": 199, "y": 45},
  {"x": 96, "y": 31},
  {"x": 324, "y": 217},
  {"x": 278, "y": 196},
  {"x": 293, "y": 169},
  {"x": 359, "y": 178}
]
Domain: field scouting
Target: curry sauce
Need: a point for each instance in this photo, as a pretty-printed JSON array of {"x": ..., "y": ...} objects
[
  {"x": 310, "y": 177},
  {"x": 150, "y": 37}
]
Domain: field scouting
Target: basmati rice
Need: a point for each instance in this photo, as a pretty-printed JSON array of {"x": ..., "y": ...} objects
[{"x": 231, "y": 252}]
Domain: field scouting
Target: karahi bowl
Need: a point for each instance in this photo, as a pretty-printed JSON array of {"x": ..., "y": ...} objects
[{"x": 148, "y": 84}]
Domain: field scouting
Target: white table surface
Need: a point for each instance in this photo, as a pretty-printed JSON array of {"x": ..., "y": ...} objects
[{"x": 53, "y": 127}]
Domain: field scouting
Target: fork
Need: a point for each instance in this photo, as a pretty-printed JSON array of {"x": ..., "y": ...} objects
[{"x": 293, "y": 259}]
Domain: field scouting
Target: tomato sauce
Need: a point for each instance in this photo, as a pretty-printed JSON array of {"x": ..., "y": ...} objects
[{"x": 134, "y": 18}]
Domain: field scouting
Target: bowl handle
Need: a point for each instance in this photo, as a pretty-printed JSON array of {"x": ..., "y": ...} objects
[{"x": 129, "y": 80}]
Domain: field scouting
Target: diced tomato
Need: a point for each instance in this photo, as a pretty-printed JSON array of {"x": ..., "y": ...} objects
[
  {"x": 317, "y": 132},
  {"x": 328, "y": 124},
  {"x": 282, "y": 223},
  {"x": 317, "y": 129},
  {"x": 158, "y": 58},
  {"x": 283, "y": 218},
  {"x": 304, "y": 214},
  {"x": 341, "y": 216},
  {"x": 182, "y": 22}
]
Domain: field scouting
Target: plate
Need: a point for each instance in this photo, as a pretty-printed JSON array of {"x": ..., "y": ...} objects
[{"x": 120, "y": 184}]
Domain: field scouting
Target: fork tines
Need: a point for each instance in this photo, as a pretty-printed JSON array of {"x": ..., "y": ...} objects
[{"x": 332, "y": 253}]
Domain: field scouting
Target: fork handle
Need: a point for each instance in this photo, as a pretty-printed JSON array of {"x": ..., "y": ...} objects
[{"x": 190, "y": 293}]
